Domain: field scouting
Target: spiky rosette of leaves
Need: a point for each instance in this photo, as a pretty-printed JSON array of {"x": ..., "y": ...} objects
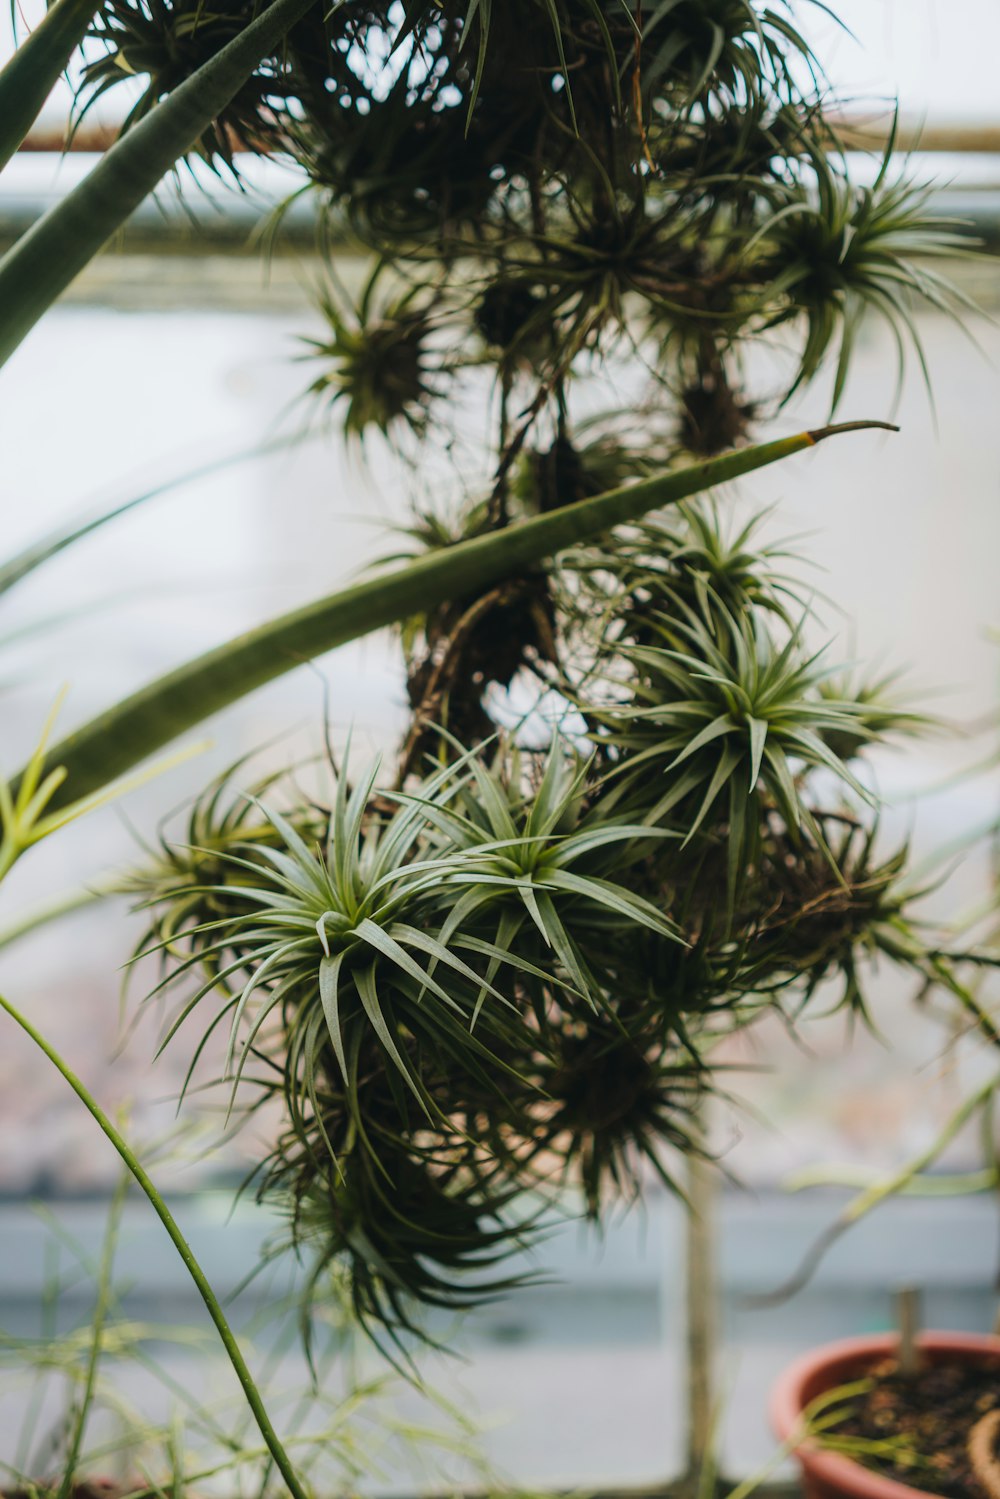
[
  {"x": 378, "y": 357},
  {"x": 879, "y": 705},
  {"x": 622, "y": 1091},
  {"x": 722, "y": 47},
  {"x": 622, "y": 588},
  {"x": 162, "y": 42},
  {"x": 404, "y": 982},
  {"x": 815, "y": 925},
  {"x": 722, "y": 720},
  {"x": 834, "y": 252},
  {"x": 618, "y": 591},
  {"x": 183, "y": 883},
  {"x": 551, "y": 865}
]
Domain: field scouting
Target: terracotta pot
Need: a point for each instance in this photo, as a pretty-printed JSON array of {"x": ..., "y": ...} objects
[{"x": 827, "y": 1475}]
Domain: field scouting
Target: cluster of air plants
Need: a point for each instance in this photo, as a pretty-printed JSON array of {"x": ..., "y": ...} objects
[
  {"x": 503, "y": 975},
  {"x": 550, "y": 180},
  {"x": 499, "y": 971},
  {"x": 502, "y": 972}
]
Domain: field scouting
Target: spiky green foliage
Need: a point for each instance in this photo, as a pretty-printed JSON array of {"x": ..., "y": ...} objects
[
  {"x": 377, "y": 360},
  {"x": 163, "y": 44},
  {"x": 593, "y": 174},
  {"x": 842, "y": 252},
  {"x": 420, "y": 981},
  {"x": 506, "y": 979},
  {"x": 47, "y": 257},
  {"x": 721, "y": 711},
  {"x": 504, "y": 975}
]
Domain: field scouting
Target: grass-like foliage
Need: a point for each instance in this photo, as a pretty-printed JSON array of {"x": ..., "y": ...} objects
[{"x": 122, "y": 1407}]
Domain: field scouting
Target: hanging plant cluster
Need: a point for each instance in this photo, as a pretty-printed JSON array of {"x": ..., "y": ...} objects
[
  {"x": 548, "y": 178},
  {"x": 503, "y": 971},
  {"x": 506, "y": 976}
]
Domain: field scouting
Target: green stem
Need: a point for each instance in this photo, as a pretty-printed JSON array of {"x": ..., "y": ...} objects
[
  {"x": 876, "y": 1193},
  {"x": 96, "y": 1335},
  {"x": 120, "y": 738},
  {"x": 54, "y": 910},
  {"x": 165, "y": 1216}
]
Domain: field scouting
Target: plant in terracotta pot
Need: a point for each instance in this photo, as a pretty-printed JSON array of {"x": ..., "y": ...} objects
[
  {"x": 923, "y": 1413},
  {"x": 896, "y": 1432},
  {"x": 630, "y": 812}
]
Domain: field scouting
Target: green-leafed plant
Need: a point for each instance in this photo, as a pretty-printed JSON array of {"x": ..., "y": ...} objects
[
  {"x": 483, "y": 986},
  {"x": 492, "y": 982}
]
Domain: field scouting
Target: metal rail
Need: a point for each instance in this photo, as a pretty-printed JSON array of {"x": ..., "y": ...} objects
[{"x": 859, "y": 134}]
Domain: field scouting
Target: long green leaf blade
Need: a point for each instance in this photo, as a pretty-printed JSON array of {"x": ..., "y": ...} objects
[
  {"x": 27, "y": 79},
  {"x": 53, "y": 252},
  {"x": 119, "y": 738}
]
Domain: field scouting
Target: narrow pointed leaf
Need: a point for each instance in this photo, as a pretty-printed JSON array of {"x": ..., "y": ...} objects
[
  {"x": 118, "y": 739},
  {"x": 28, "y": 78},
  {"x": 329, "y": 997},
  {"x": 55, "y": 250},
  {"x": 758, "y": 738},
  {"x": 368, "y": 995}
]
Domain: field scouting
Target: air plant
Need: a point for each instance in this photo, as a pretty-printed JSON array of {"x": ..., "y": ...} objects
[
  {"x": 841, "y": 252},
  {"x": 412, "y": 977},
  {"x": 598, "y": 176},
  {"x": 162, "y": 44},
  {"x": 377, "y": 359},
  {"x": 506, "y": 978}
]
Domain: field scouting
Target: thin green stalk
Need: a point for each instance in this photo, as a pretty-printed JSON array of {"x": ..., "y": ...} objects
[
  {"x": 120, "y": 738},
  {"x": 97, "y": 1323},
  {"x": 165, "y": 1216},
  {"x": 876, "y": 1193},
  {"x": 52, "y": 253},
  {"x": 24, "y": 563},
  {"x": 49, "y": 1322},
  {"x": 27, "y": 79},
  {"x": 959, "y": 1184},
  {"x": 55, "y": 910}
]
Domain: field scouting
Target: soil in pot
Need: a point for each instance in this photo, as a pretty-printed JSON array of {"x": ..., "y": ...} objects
[{"x": 929, "y": 1417}]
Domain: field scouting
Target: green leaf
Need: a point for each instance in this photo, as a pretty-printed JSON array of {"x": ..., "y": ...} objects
[
  {"x": 329, "y": 997},
  {"x": 55, "y": 250},
  {"x": 33, "y": 556},
  {"x": 27, "y": 79},
  {"x": 758, "y": 738},
  {"x": 614, "y": 898},
  {"x": 373, "y": 935},
  {"x": 365, "y": 980},
  {"x": 127, "y": 733}
]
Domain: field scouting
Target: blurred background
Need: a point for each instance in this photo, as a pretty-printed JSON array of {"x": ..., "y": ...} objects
[{"x": 180, "y": 348}]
